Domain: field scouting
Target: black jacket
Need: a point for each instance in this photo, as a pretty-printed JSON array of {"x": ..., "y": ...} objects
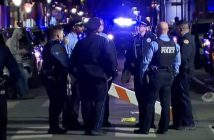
[
  {"x": 136, "y": 50},
  {"x": 92, "y": 57},
  {"x": 51, "y": 65},
  {"x": 188, "y": 48}
]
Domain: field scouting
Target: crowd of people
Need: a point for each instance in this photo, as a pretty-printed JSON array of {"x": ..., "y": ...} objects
[{"x": 161, "y": 68}]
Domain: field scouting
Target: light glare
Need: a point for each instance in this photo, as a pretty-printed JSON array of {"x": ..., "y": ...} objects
[
  {"x": 124, "y": 22},
  {"x": 17, "y": 2}
]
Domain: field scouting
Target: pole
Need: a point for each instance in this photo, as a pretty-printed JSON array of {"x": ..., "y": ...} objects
[
  {"x": 162, "y": 10},
  {"x": 189, "y": 8},
  {"x": 18, "y": 17},
  {"x": 182, "y": 9}
]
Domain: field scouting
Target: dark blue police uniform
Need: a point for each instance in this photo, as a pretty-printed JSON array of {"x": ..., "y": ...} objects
[
  {"x": 6, "y": 60},
  {"x": 55, "y": 62},
  {"x": 181, "y": 103},
  {"x": 161, "y": 59},
  {"x": 94, "y": 65},
  {"x": 133, "y": 56}
]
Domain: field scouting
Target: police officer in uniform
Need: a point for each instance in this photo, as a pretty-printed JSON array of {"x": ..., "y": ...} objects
[
  {"x": 112, "y": 48},
  {"x": 55, "y": 63},
  {"x": 94, "y": 66},
  {"x": 141, "y": 42},
  {"x": 162, "y": 60},
  {"x": 6, "y": 60},
  {"x": 72, "y": 105},
  {"x": 181, "y": 103}
]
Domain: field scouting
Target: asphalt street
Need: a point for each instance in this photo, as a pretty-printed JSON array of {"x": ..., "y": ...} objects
[{"x": 28, "y": 120}]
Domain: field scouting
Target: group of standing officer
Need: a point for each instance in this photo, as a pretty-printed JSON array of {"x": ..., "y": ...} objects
[
  {"x": 163, "y": 68},
  {"x": 91, "y": 64},
  {"x": 159, "y": 66}
]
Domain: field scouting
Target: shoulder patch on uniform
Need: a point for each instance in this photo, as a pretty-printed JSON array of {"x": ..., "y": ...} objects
[
  {"x": 186, "y": 41},
  {"x": 148, "y": 40}
]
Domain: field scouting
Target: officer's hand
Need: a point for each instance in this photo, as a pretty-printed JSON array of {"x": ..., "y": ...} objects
[
  {"x": 66, "y": 41},
  {"x": 141, "y": 78},
  {"x": 114, "y": 74},
  {"x": 72, "y": 79}
]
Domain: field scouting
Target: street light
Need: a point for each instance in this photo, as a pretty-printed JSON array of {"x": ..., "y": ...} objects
[
  {"x": 48, "y": 10},
  {"x": 80, "y": 13},
  {"x": 48, "y": 1},
  {"x": 17, "y": 3},
  {"x": 73, "y": 10},
  {"x": 28, "y": 7}
]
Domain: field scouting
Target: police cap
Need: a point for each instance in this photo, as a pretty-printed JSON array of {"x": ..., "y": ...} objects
[
  {"x": 93, "y": 24},
  {"x": 142, "y": 22}
]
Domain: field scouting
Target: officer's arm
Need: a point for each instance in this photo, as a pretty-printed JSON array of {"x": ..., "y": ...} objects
[
  {"x": 74, "y": 59},
  {"x": 108, "y": 60},
  {"x": 113, "y": 52},
  {"x": 148, "y": 57},
  {"x": 185, "y": 53},
  {"x": 129, "y": 55},
  {"x": 177, "y": 61},
  {"x": 59, "y": 52}
]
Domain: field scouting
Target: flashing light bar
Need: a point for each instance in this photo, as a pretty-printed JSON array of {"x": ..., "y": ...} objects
[{"x": 124, "y": 22}]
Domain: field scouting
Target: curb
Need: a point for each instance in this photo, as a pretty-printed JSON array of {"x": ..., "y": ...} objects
[{"x": 203, "y": 84}]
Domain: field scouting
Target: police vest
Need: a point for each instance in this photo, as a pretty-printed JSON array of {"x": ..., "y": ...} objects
[
  {"x": 165, "y": 55},
  {"x": 51, "y": 66}
]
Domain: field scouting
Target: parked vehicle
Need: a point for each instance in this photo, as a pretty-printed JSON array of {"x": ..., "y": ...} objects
[{"x": 32, "y": 41}]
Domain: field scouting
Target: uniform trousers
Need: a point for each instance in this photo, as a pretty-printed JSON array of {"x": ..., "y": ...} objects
[
  {"x": 181, "y": 103},
  {"x": 140, "y": 89},
  {"x": 93, "y": 93},
  {"x": 159, "y": 84},
  {"x": 106, "y": 112},
  {"x": 56, "y": 91},
  {"x": 72, "y": 106}
]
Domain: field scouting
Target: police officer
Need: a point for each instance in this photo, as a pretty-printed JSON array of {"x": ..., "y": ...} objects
[
  {"x": 106, "y": 122},
  {"x": 6, "y": 59},
  {"x": 72, "y": 106},
  {"x": 55, "y": 62},
  {"x": 181, "y": 103},
  {"x": 161, "y": 59},
  {"x": 94, "y": 66},
  {"x": 140, "y": 43}
]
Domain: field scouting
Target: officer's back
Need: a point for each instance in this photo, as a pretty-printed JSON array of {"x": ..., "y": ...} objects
[{"x": 93, "y": 56}]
